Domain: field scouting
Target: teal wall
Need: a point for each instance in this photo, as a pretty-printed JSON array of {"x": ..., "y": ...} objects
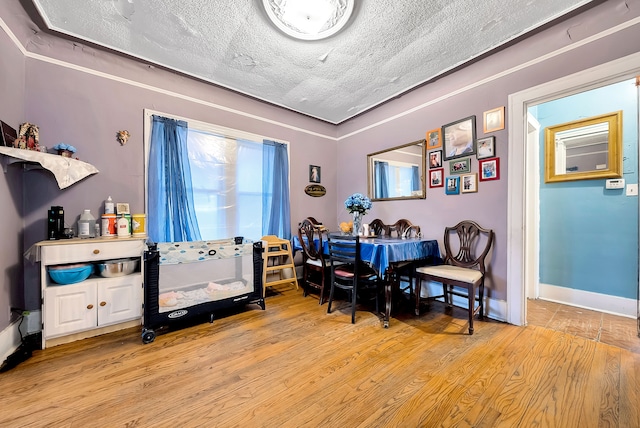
[{"x": 588, "y": 234}]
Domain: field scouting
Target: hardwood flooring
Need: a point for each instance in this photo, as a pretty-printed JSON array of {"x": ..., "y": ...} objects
[
  {"x": 294, "y": 365},
  {"x": 593, "y": 325}
]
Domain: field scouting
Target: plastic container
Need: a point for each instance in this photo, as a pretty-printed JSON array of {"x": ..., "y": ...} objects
[
  {"x": 70, "y": 274},
  {"x": 109, "y": 206},
  {"x": 109, "y": 225},
  {"x": 86, "y": 225},
  {"x": 138, "y": 224},
  {"x": 123, "y": 227}
]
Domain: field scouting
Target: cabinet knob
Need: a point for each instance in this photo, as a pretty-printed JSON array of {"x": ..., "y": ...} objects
[
  {"x": 103, "y": 303},
  {"x": 89, "y": 306},
  {"x": 96, "y": 251}
]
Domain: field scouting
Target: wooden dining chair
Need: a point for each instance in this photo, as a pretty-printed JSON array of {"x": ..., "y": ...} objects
[
  {"x": 315, "y": 270},
  {"x": 378, "y": 228},
  {"x": 461, "y": 268},
  {"x": 349, "y": 273},
  {"x": 403, "y": 228}
]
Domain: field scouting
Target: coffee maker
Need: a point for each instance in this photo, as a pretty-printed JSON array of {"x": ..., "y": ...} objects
[{"x": 55, "y": 224}]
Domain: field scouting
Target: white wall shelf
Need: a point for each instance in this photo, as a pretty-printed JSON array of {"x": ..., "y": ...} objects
[{"x": 67, "y": 171}]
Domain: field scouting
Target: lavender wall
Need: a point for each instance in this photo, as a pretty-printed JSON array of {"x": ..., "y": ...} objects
[
  {"x": 454, "y": 97},
  {"x": 12, "y": 71}
]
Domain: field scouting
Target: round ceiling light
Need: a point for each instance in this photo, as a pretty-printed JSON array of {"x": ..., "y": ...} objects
[{"x": 309, "y": 20}]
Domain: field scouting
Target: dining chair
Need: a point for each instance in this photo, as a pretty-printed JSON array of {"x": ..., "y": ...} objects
[
  {"x": 403, "y": 228},
  {"x": 461, "y": 267},
  {"x": 349, "y": 272},
  {"x": 378, "y": 228},
  {"x": 311, "y": 235}
]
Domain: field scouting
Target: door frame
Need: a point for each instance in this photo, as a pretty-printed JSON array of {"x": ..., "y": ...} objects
[{"x": 522, "y": 200}]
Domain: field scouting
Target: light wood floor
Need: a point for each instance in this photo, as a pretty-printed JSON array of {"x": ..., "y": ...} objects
[{"x": 295, "y": 366}]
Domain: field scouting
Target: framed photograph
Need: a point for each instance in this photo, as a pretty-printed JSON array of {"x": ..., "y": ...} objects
[
  {"x": 434, "y": 139},
  {"x": 486, "y": 147},
  {"x": 436, "y": 177},
  {"x": 435, "y": 159},
  {"x": 9, "y": 134},
  {"x": 460, "y": 166},
  {"x": 493, "y": 120},
  {"x": 489, "y": 169},
  {"x": 314, "y": 174},
  {"x": 469, "y": 183},
  {"x": 122, "y": 208},
  {"x": 452, "y": 186},
  {"x": 459, "y": 138}
]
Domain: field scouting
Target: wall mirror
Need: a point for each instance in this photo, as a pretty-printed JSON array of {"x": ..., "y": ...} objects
[
  {"x": 584, "y": 149},
  {"x": 397, "y": 173}
]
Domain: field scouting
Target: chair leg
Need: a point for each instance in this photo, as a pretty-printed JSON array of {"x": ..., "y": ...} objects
[
  {"x": 481, "y": 297},
  {"x": 330, "y": 297},
  {"x": 418, "y": 292},
  {"x": 322, "y": 284},
  {"x": 472, "y": 304},
  {"x": 354, "y": 296}
]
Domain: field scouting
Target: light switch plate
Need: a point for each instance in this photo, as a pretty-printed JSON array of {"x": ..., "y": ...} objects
[{"x": 632, "y": 189}]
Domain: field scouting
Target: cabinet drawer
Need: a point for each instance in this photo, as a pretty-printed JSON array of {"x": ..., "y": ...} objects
[{"x": 91, "y": 251}]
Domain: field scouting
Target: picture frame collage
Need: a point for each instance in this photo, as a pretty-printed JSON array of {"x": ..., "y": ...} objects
[{"x": 457, "y": 143}]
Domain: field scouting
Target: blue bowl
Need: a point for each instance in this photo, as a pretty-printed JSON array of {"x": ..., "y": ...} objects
[{"x": 70, "y": 274}]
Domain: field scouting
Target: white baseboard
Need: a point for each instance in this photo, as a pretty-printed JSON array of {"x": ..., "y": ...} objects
[
  {"x": 588, "y": 300},
  {"x": 9, "y": 340}
]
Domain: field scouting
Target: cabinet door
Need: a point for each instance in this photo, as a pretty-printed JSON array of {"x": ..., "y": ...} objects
[
  {"x": 119, "y": 299},
  {"x": 69, "y": 308}
]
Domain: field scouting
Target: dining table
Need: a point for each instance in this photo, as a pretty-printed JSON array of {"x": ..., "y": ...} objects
[{"x": 386, "y": 254}]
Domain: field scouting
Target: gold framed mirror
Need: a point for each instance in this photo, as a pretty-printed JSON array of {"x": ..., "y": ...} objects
[
  {"x": 584, "y": 149},
  {"x": 397, "y": 173}
]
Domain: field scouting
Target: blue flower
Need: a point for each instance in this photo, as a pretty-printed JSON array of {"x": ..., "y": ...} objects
[{"x": 358, "y": 203}]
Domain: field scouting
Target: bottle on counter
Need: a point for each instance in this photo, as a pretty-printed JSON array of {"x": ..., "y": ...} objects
[
  {"x": 109, "y": 206},
  {"x": 86, "y": 225},
  {"x": 123, "y": 226}
]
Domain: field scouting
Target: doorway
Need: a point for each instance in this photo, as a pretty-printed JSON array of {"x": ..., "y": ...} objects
[{"x": 523, "y": 243}]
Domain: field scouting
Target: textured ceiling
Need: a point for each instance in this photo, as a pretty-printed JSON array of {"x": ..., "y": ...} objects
[{"x": 387, "y": 48}]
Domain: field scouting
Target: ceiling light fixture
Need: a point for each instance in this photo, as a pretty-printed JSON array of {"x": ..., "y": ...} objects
[{"x": 309, "y": 20}]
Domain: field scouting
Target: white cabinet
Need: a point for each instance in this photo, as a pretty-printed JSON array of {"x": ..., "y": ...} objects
[{"x": 95, "y": 305}]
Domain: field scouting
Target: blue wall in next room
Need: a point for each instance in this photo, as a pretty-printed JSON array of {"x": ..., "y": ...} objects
[{"x": 588, "y": 234}]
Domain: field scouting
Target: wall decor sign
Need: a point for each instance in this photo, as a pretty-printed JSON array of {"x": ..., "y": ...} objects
[
  {"x": 459, "y": 138},
  {"x": 493, "y": 120},
  {"x": 435, "y": 159},
  {"x": 315, "y": 190},
  {"x": 486, "y": 147},
  {"x": 452, "y": 186},
  {"x": 436, "y": 177},
  {"x": 469, "y": 183},
  {"x": 434, "y": 140},
  {"x": 314, "y": 174},
  {"x": 460, "y": 166},
  {"x": 489, "y": 169}
]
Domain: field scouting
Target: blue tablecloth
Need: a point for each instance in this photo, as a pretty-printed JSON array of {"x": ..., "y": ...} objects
[{"x": 381, "y": 252}]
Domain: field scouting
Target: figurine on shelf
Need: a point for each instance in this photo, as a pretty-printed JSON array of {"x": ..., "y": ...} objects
[
  {"x": 123, "y": 137},
  {"x": 31, "y": 135}
]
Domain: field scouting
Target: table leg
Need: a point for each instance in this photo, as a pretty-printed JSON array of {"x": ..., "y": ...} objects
[{"x": 391, "y": 278}]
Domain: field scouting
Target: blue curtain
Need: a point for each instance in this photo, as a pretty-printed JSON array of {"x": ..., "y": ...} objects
[
  {"x": 415, "y": 178},
  {"x": 276, "y": 213},
  {"x": 382, "y": 179},
  {"x": 172, "y": 216}
]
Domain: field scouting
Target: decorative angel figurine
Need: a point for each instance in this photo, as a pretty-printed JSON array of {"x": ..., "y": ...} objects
[{"x": 123, "y": 137}]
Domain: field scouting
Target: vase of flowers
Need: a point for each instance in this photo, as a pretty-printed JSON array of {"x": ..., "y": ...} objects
[{"x": 358, "y": 205}]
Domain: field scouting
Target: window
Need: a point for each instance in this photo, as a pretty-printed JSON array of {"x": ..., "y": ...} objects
[{"x": 227, "y": 182}]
